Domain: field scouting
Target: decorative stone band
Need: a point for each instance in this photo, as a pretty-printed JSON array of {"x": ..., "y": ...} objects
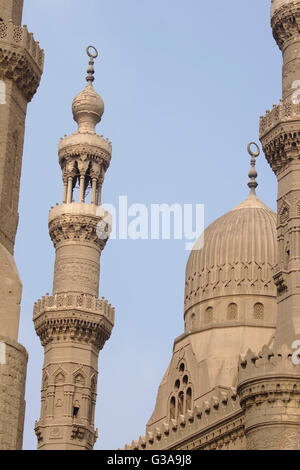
[
  {"x": 228, "y": 279},
  {"x": 80, "y": 435},
  {"x": 280, "y": 134},
  {"x": 193, "y": 429},
  {"x": 78, "y": 317},
  {"x": 285, "y": 22},
  {"x": 13, "y": 366},
  {"x": 269, "y": 393},
  {"x": 21, "y": 58},
  {"x": 80, "y": 228},
  {"x": 286, "y": 111},
  {"x": 276, "y": 368},
  {"x": 70, "y": 147}
]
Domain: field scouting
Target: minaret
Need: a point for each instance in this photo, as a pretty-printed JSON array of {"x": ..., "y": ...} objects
[
  {"x": 280, "y": 138},
  {"x": 269, "y": 381},
  {"x": 73, "y": 324},
  {"x": 21, "y": 66}
]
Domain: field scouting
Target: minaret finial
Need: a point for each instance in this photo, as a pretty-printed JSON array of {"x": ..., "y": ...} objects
[
  {"x": 253, "y": 173},
  {"x": 90, "y": 71}
]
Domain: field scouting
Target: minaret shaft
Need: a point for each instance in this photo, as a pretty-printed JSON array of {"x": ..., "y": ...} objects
[
  {"x": 280, "y": 138},
  {"x": 21, "y": 66},
  {"x": 269, "y": 380},
  {"x": 73, "y": 324}
]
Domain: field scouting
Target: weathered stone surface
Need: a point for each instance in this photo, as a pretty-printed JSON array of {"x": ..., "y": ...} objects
[
  {"x": 21, "y": 66},
  {"x": 13, "y": 368}
]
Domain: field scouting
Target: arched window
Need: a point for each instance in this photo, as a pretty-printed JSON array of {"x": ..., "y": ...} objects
[
  {"x": 172, "y": 408},
  {"x": 208, "y": 315},
  {"x": 59, "y": 379},
  {"x": 180, "y": 403},
  {"x": 189, "y": 399},
  {"x": 193, "y": 321},
  {"x": 2, "y": 92},
  {"x": 258, "y": 313},
  {"x": 232, "y": 311}
]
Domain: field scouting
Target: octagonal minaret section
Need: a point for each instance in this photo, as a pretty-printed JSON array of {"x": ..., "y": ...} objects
[{"x": 72, "y": 323}]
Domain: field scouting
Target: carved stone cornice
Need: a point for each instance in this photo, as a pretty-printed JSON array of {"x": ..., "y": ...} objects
[
  {"x": 21, "y": 58},
  {"x": 279, "y": 133},
  {"x": 285, "y": 23},
  {"x": 269, "y": 394},
  {"x": 280, "y": 282},
  {"x": 77, "y": 431},
  {"x": 99, "y": 151},
  {"x": 73, "y": 317},
  {"x": 80, "y": 228},
  {"x": 268, "y": 376}
]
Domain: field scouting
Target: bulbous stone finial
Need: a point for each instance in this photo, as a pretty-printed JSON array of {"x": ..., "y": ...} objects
[
  {"x": 253, "y": 173},
  {"x": 88, "y": 106}
]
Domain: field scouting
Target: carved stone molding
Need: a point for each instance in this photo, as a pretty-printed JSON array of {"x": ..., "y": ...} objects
[
  {"x": 269, "y": 393},
  {"x": 21, "y": 58},
  {"x": 279, "y": 133},
  {"x": 73, "y": 326},
  {"x": 75, "y": 317},
  {"x": 268, "y": 376},
  {"x": 280, "y": 282},
  {"x": 228, "y": 278},
  {"x": 75, "y": 228},
  {"x": 101, "y": 153},
  {"x": 286, "y": 23},
  {"x": 87, "y": 303}
]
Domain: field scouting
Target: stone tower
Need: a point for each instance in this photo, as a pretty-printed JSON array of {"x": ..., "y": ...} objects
[
  {"x": 73, "y": 324},
  {"x": 21, "y": 66},
  {"x": 269, "y": 382}
]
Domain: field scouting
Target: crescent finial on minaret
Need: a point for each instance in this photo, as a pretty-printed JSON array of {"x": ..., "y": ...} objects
[
  {"x": 90, "y": 71},
  {"x": 253, "y": 173}
]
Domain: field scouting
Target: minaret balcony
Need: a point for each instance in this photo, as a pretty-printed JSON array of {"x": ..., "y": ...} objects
[
  {"x": 77, "y": 222},
  {"x": 77, "y": 209},
  {"x": 21, "y": 58},
  {"x": 279, "y": 133},
  {"x": 79, "y": 317}
]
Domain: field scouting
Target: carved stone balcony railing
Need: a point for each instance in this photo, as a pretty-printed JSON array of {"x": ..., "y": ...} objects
[
  {"x": 21, "y": 58},
  {"x": 73, "y": 317},
  {"x": 284, "y": 112},
  {"x": 82, "y": 302},
  {"x": 20, "y": 36}
]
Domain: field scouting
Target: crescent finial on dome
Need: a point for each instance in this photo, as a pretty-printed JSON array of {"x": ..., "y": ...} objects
[{"x": 253, "y": 173}]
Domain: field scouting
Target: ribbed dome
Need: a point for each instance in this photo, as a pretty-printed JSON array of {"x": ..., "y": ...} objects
[{"x": 237, "y": 257}]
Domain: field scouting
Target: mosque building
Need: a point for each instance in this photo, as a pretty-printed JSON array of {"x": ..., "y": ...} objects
[{"x": 234, "y": 378}]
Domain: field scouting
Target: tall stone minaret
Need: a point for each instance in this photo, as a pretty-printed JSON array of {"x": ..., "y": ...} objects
[
  {"x": 269, "y": 381},
  {"x": 280, "y": 138},
  {"x": 21, "y": 66},
  {"x": 73, "y": 324}
]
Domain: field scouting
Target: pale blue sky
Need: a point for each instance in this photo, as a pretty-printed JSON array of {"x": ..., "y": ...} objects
[{"x": 184, "y": 84}]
